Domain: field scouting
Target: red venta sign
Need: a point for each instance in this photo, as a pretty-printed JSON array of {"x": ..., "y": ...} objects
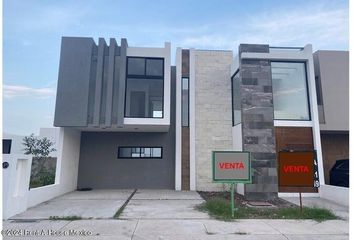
[{"x": 298, "y": 169}]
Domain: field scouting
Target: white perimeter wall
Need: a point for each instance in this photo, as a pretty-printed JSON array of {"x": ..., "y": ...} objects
[
  {"x": 335, "y": 194},
  {"x": 15, "y": 181},
  {"x": 237, "y": 146},
  {"x": 16, "y": 194},
  {"x": 67, "y": 168}
]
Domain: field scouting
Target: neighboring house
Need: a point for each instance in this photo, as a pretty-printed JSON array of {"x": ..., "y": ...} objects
[{"x": 332, "y": 82}]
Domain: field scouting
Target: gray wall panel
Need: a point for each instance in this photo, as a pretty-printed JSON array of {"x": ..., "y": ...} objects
[
  {"x": 115, "y": 90},
  {"x": 73, "y": 85},
  {"x": 332, "y": 70},
  {"x": 92, "y": 86},
  {"x": 99, "y": 79},
  {"x": 109, "y": 98},
  {"x": 121, "y": 88}
]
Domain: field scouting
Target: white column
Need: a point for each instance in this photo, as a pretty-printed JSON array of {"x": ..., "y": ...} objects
[
  {"x": 192, "y": 119},
  {"x": 178, "y": 155},
  {"x": 314, "y": 111}
]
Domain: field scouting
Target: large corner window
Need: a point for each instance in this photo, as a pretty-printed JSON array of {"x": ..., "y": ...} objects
[
  {"x": 290, "y": 95},
  {"x": 140, "y": 152},
  {"x": 236, "y": 99},
  {"x": 144, "y": 87},
  {"x": 185, "y": 102}
]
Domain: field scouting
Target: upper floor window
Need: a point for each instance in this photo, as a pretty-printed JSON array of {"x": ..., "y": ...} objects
[
  {"x": 185, "y": 102},
  {"x": 290, "y": 95},
  {"x": 144, "y": 87}
]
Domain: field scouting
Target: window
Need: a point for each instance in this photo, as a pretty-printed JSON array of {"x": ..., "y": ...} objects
[
  {"x": 6, "y": 146},
  {"x": 140, "y": 152},
  {"x": 144, "y": 87},
  {"x": 236, "y": 99},
  {"x": 290, "y": 96},
  {"x": 321, "y": 115},
  {"x": 318, "y": 91},
  {"x": 136, "y": 66},
  {"x": 185, "y": 102},
  {"x": 154, "y": 67}
]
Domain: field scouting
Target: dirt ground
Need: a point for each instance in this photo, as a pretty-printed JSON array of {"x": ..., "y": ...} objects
[{"x": 240, "y": 199}]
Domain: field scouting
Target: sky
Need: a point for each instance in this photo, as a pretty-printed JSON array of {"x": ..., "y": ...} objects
[{"x": 32, "y": 31}]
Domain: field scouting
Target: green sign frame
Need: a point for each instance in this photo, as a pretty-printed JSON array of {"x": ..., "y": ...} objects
[
  {"x": 248, "y": 180},
  {"x": 232, "y": 182}
]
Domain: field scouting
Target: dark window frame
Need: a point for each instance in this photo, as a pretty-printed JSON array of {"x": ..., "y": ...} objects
[
  {"x": 140, "y": 157},
  {"x": 162, "y": 78},
  {"x": 319, "y": 95},
  {"x": 307, "y": 90},
  {"x": 9, "y": 148},
  {"x": 188, "y": 113},
  {"x": 232, "y": 97}
]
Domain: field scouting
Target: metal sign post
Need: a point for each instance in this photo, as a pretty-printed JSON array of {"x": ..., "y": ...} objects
[
  {"x": 232, "y": 192},
  {"x": 231, "y": 167}
]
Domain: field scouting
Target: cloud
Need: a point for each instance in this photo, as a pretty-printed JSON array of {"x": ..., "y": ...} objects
[
  {"x": 214, "y": 41},
  {"x": 300, "y": 26},
  {"x": 322, "y": 26},
  {"x": 44, "y": 17},
  {"x": 14, "y": 91}
]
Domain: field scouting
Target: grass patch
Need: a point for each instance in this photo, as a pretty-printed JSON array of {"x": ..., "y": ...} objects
[
  {"x": 219, "y": 208},
  {"x": 65, "y": 218},
  {"x": 120, "y": 210}
]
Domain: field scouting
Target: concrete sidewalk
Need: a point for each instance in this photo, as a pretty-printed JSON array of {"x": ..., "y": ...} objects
[{"x": 188, "y": 229}]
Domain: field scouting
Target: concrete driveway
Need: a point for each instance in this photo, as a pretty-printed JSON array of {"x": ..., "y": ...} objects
[
  {"x": 89, "y": 204},
  {"x": 164, "y": 204},
  {"x": 103, "y": 204}
]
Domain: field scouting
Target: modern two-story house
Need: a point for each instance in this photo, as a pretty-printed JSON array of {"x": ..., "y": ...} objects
[
  {"x": 135, "y": 121},
  {"x": 121, "y": 100},
  {"x": 332, "y": 82}
]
